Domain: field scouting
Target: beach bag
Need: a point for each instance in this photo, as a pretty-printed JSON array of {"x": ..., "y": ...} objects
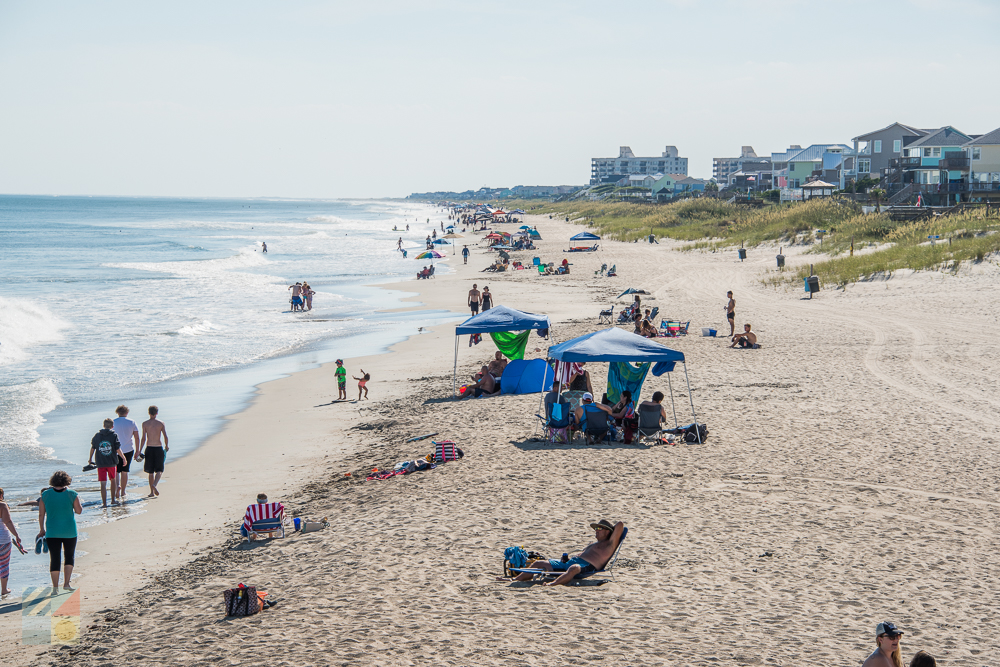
[
  {"x": 691, "y": 435},
  {"x": 514, "y": 557},
  {"x": 446, "y": 450},
  {"x": 242, "y": 601}
]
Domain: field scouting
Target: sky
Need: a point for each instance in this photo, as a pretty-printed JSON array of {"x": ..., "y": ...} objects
[{"x": 336, "y": 99}]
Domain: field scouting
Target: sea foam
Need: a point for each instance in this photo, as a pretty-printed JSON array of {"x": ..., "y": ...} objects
[{"x": 24, "y": 324}]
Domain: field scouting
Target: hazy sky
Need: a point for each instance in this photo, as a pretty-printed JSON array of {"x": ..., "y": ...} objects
[{"x": 331, "y": 99}]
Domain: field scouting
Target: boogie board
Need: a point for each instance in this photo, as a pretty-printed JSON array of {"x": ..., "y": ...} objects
[{"x": 421, "y": 437}]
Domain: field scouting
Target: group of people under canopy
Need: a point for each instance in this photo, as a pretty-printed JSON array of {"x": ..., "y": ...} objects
[{"x": 630, "y": 360}]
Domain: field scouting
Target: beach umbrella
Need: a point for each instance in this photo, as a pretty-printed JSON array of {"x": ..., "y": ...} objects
[
  {"x": 525, "y": 227},
  {"x": 430, "y": 254},
  {"x": 453, "y": 235},
  {"x": 631, "y": 290}
]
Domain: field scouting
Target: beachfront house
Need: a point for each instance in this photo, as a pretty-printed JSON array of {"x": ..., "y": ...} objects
[
  {"x": 611, "y": 169},
  {"x": 935, "y": 165},
  {"x": 876, "y": 150},
  {"x": 643, "y": 180},
  {"x": 671, "y": 185},
  {"x": 832, "y": 162},
  {"x": 984, "y": 166}
]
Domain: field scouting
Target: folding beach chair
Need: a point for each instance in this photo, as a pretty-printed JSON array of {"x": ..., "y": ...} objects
[
  {"x": 653, "y": 313},
  {"x": 557, "y": 421},
  {"x": 606, "y": 316},
  {"x": 264, "y": 520},
  {"x": 607, "y": 569},
  {"x": 649, "y": 423},
  {"x": 596, "y": 428}
]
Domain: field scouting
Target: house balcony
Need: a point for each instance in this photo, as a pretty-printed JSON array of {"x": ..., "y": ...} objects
[
  {"x": 905, "y": 162},
  {"x": 954, "y": 163}
]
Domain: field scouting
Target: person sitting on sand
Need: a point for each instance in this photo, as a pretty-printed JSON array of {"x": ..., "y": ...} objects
[
  {"x": 485, "y": 386},
  {"x": 887, "y": 654},
  {"x": 497, "y": 364},
  {"x": 745, "y": 339},
  {"x": 591, "y": 559}
]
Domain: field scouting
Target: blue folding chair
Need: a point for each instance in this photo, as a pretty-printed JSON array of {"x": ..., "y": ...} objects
[
  {"x": 607, "y": 569},
  {"x": 595, "y": 425},
  {"x": 557, "y": 420}
]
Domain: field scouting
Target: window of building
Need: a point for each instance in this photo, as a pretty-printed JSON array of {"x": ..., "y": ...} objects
[
  {"x": 878, "y": 146},
  {"x": 897, "y": 145},
  {"x": 864, "y": 165},
  {"x": 927, "y": 152},
  {"x": 977, "y": 153}
]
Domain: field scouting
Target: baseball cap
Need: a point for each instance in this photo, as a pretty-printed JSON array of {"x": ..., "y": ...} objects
[
  {"x": 588, "y": 396},
  {"x": 888, "y": 629}
]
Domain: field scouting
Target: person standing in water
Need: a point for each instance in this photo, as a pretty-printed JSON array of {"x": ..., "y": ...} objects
[
  {"x": 155, "y": 452},
  {"x": 7, "y": 529},
  {"x": 128, "y": 435},
  {"x": 264, "y": 245}
]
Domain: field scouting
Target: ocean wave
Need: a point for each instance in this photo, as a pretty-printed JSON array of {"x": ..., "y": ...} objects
[
  {"x": 326, "y": 218},
  {"x": 22, "y": 407},
  {"x": 247, "y": 257},
  {"x": 199, "y": 328},
  {"x": 23, "y": 324}
]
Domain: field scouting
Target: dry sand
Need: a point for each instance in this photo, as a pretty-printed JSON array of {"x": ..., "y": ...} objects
[{"x": 851, "y": 476}]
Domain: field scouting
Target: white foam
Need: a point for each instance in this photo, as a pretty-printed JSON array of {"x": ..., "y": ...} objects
[
  {"x": 24, "y": 324},
  {"x": 199, "y": 328},
  {"x": 22, "y": 407}
]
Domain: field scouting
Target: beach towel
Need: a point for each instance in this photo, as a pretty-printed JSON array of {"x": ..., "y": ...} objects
[
  {"x": 259, "y": 512},
  {"x": 622, "y": 375},
  {"x": 567, "y": 369},
  {"x": 511, "y": 344}
]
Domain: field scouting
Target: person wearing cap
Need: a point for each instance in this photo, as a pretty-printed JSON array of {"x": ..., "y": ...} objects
[
  {"x": 581, "y": 411},
  {"x": 887, "y": 654},
  {"x": 591, "y": 559}
]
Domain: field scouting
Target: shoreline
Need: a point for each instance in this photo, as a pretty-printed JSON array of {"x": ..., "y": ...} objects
[{"x": 846, "y": 479}]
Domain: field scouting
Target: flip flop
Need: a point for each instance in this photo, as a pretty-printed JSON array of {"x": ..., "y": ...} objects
[{"x": 89, "y": 467}]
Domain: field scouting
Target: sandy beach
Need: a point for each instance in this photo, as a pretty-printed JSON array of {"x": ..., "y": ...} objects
[{"x": 850, "y": 476}]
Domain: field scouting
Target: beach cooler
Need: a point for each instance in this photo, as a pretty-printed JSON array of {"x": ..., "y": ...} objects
[{"x": 705, "y": 331}]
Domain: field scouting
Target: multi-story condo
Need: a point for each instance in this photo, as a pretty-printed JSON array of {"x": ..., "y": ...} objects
[
  {"x": 724, "y": 167},
  {"x": 610, "y": 169},
  {"x": 881, "y": 147}
]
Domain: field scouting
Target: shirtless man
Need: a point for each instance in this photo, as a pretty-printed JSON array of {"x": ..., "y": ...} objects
[
  {"x": 474, "y": 297},
  {"x": 731, "y": 313},
  {"x": 155, "y": 453},
  {"x": 591, "y": 559},
  {"x": 497, "y": 364},
  {"x": 485, "y": 386},
  {"x": 296, "y": 296},
  {"x": 887, "y": 638},
  {"x": 745, "y": 339}
]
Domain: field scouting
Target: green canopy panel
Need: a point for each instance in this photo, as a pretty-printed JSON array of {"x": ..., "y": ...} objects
[{"x": 511, "y": 344}]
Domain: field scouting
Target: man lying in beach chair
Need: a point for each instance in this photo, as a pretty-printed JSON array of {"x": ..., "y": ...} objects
[
  {"x": 597, "y": 558},
  {"x": 263, "y": 519}
]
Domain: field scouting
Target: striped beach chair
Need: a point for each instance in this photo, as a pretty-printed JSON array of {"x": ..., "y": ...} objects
[{"x": 264, "y": 520}]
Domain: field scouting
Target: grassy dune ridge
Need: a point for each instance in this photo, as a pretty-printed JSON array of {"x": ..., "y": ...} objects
[{"x": 828, "y": 225}]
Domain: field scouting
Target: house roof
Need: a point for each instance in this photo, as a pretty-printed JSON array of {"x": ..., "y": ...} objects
[
  {"x": 916, "y": 131},
  {"x": 990, "y": 138},
  {"x": 945, "y": 136},
  {"x": 815, "y": 152},
  {"x": 818, "y": 184}
]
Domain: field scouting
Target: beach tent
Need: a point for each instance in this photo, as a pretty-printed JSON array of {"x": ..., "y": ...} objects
[
  {"x": 585, "y": 236},
  {"x": 614, "y": 345},
  {"x": 526, "y": 376},
  {"x": 495, "y": 320}
]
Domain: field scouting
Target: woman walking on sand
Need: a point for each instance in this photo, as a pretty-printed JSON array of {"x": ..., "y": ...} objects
[
  {"x": 58, "y": 525},
  {"x": 7, "y": 528}
]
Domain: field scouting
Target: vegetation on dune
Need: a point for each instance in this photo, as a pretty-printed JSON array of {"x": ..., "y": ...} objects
[{"x": 831, "y": 226}]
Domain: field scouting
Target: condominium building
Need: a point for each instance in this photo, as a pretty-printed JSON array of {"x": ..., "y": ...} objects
[
  {"x": 610, "y": 169},
  {"x": 724, "y": 167}
]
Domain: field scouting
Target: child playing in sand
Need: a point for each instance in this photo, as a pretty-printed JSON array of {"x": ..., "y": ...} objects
[{"x": 362, "y": 381}]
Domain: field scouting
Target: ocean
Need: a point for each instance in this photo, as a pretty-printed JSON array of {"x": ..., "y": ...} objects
[{"x": 140, "y": 301}]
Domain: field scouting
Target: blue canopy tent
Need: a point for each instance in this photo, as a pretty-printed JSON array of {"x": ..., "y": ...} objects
[
  {"x": 585, "y": 236},
  {"x": 616, "y": 345},
  {"x": 526, "y": 376},
  {"x": 497, "y": 318}
]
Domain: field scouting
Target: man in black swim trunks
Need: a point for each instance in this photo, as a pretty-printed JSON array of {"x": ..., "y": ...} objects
[
  {"x": 731, "y": 313},
  {"x": 474, "y": 297},
  {"x": 591, "y": 559}
]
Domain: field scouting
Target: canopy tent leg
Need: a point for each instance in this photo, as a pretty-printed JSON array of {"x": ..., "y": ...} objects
[
  {"x": 691, "y": 400},
  {"x": 672, "y": 406},
  {"x": 454, "y": 376}
]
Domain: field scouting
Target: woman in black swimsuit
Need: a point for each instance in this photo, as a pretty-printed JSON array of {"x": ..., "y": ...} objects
[{"x": 487, "y": 299}]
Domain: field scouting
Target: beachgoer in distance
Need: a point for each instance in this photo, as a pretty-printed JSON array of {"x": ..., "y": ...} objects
[
  {"x": 296, "y": 296},
  {"x": 887, "y": 654},
  {"x": 57, "y": 525},
  {"x": 731, "y": 313},
  {"x": 7, "y": 528},
  {"x": 747, "y": 339},
  {"x": 407, "y": 226},
  {"x": 154, "y": 453},
  {"x": 594, "y": 557},
  {"x": 264, "y": 246},
  {"x": 307, "y": 294},
  {"x": 474, "y": 297},
  {"x": 487, "y": 299},
  {"x": 399, "y": 243},
  {"x": 362, "y": 381},
  {"x": 923, "y": 659},
  {"x": 128, "y": 436},
  {"x": 465, "y": 254},
  {"x": 341, "y": 373},
  {"x": 109, "y": 456}
]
